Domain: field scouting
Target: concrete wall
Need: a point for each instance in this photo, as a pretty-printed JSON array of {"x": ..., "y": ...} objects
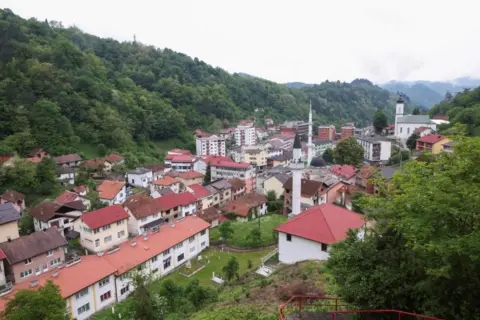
[
  {"x": 9, "y": 231},
  {"x": 140, "y": 180},
  {"x": 299, "y": 249}
]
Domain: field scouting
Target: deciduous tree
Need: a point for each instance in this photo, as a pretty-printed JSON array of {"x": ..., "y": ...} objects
[
  {"x": 380, "y": 120},
  {"x": 348, "y": 151},
  {"x": 412, "y": 141},
  {"x": 226, "y": 230},
  {"x": 328, "y": 155},
  {"x": 230, "y": 270}
]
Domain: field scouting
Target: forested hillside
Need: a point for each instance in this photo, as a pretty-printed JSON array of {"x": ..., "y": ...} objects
[
  {"x": 63, "y": 89},
  {"x": 463, "y": 109}
]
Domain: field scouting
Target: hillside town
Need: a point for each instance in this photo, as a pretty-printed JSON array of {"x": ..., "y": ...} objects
[{"x": 158, "y": 217}]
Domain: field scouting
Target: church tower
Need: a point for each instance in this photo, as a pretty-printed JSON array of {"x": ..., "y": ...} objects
[
  {"x": 310, "y": 145},
  {"x": 398, "y": 114},
  {"x": 297, "y": 167}
]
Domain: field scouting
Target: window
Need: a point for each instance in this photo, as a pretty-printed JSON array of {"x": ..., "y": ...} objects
[
  {"x": 49, "y": 253},
  {"x": 408, "y": 130},
  {"x": 28, "y": 261},
  {"x": 175, "y": 216},
  {"x": 167, "y": 262},
  {"x": 97, "y": 243},
  {"x": 84, "y": 308},
  {"x": 97, "y": 230},
  {"x": 45, "y": 267},
  {"x": 106, "y": 227},
  {"x": 203, "y": 232},
  {"x": 166, "y": 252},
  {"x": 81, "y": 293},
  {"x": 191, "y": 239},
  {"x": 289, "y": 237},
  {"x": 175, "y": 209},
  {"x": 121, "y": 234},
  {"x": 124, "y": 290},
  {"x": 65, "y": 221},
  {"x": 87, "y": 230},
  {"x": 142, "y": 266},
  {"x": 401, "y": 129},
  {"x": 107, "y": 239},
  {"x": 38, "y": 270},
  {"x": 154, "y": 259},
  {"x": 104, "y": 282},
  {"x": 124, "y": 276},
  {"x": 179, "y": 245},
  {"x": 324, "y": 247},
  {"x": 203, "y": 244},
  {"x": 105, "y": 296},
  {"x": 180, "y": 257},
  {"x": 26, "y": 273},
  {"x": 54, "y": 262},
  {"x": 192, "y": 249},
  {"x": 120, "y": 222}
]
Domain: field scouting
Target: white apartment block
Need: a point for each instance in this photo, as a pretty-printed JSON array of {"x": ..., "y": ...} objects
[
  {"x": 375, "y": 148},
  {"x": 245, "y": 134},
  {"x": 210, "y": 145}
]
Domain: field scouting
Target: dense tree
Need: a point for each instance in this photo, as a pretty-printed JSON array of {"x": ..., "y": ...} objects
[
  {"x": 230, "y": 270},
  {"x": 423, "y": 253},
  {"x": 20, "y": 177},
  {"x": 380, "y": 120},
  {"x": 46, "y": 175},
  {"x": 412, "y": 141},
  {"x": 226, "y": 230},
  {"x": 44, "y": 303},
  {"x": 348, "y": 151},
  {"x": 416, "y": 111},
  {"x": 255, "y": 236},
  {"x": 328, "y": 156},
  {"x": 207, "y": 178},
  {"x": 143, "y": 304},
  {"x": 398, "y": 156}
]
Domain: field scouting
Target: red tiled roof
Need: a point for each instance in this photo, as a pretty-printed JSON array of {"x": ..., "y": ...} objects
[
  {"x": 390, "y": 126},
  {"x": 67, "y": 158},
  {"x": 367, "y": 171},
  {"x": 79, "y": 189},
  {"x": 108, "y": 189},
  {"x": 13, "y": 196},
  {"x": 440, "y": 117},
  {"x": 114, "y": 158},
  {"x": 5, "y": 158},
  {"x": 431, "y": 138},
  {"x": 188, "y": 175},
  {"x": 209, "y": 159},
  {"x": 421, "y": 129},
  {"x": 173, "y": 200},
  {"x": 199, "y": 191},
  {"x": 93, "y": 163},
  {"x": 242, "y": 205},
  {"x": 66, "y": 197},
  {"x": 346, "y": 171},
  {"x": 326, "y": 223},
  {"x": 179, "y": 151},
  {"x": 237, "y": 183},
  {"x": 99, "y": 218},
  {"x": 230, "y": 164},
  {"x": 183, "y": 158},
  {"x": 128, "y": 257},
  {"x": 165, "y": 181}
]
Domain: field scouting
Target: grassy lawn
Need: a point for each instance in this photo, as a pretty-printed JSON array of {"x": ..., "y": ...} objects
[{"x": 243, "y": 229}]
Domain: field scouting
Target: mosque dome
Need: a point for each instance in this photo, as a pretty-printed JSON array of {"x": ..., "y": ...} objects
[{"x": 318, "y": 162}]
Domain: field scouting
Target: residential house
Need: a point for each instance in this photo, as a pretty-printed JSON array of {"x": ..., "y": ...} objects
[
  {"x": 210, "y": 215},
  {"x": 389, "y": 130},
  {"x": 362, "y": 178},
  {"x": 9, "y": 217},
  {"x": 14, "y": 197},
  {"x": 81, "y": 190},
  {"x": 313, "y": 193},
  {"x": 310, "y": 235},
  {"x": 256, "y": 157},
  {"x": 7, "y": 160},
  {"x": 182, "y": 163},
  {"x": 250, "y": 206},
  {"x": 447, "y": 147},
  {"x": 341, "y": 194},
  {"x": 173, "y": 153},
  {"x": 261, "y": 133},
  {"x": 423, "y": 131},
  {"x": 280, "y": 160},
  {"x": 103, "y": 229},
  {"x": 140, "y": 177},
  {"x": 115, "y": 159},
  {"x": 238, "y": 188},
  {"x": 203, "y": 196},
  {"x": 160, "y": 193},
  {"x": 112, "y": 192},
  {"x": 34, "y": 254},
  {"x": 70, "y": 196},
  {"x": 157, "y": 170},
  {"x": 36, "y": 155},
  {"x": 68, "y": 160},
  {"x": 4, "y": 287},
  {"x": 230, "y": 169},
  {"x": 432, "y": 143},
  {"x": 66, "y": 175},
  {"x": 344, "y": 172},
  {"x": 52, "y": 214},
  {"x": 98, "y": 164},
  {"x": 275, "y": 183},
  {"x": 375, "y": 148},
  {"x": 221, "y": 191},
  {"x": 166, "y": 182},
  {"x": 191, "y": 177}
]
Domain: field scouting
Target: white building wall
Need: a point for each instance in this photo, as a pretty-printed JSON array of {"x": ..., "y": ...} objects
[
  {"x": 140, "y": 180},
  {"x": 299, "y": 249},
  {"x": 200, "y": 166},
  {"x": 189, "y": 209},
  {"x": 119, "y": 198},
  {"x": 2, "y": 274},
  {"x": 385, "y": 150},
  {"x": 405, "y": 130}
]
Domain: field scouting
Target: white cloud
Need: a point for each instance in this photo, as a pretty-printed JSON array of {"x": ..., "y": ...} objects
[{"x": 302, "y": 40}]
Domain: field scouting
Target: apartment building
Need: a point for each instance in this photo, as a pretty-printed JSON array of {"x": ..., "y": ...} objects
[
  {"x": 230, "y": 170},
  {"x": 191, "y": 177},
  {"x": 9, "y": 217},
  {"x": 209, "y": 144},
  {"x": 102, "y": 229},
  {"x": 238, "y": 188},
  {"x": 112, "y": 192},
  {"x": 52, "y": 214},
  {"x": 245, "y": 134},
  {"x": 347, "y": 132},
  {"x": 326, "y": 133},
  {"x": 34, "y": 254},
  {"x": 376, "y": 148},
  {"x": 203, "y": 196},
  {"x": 166, "y": 182},
  {"x": 256, "y": 157},
  {"x": 221, "y": 191}
]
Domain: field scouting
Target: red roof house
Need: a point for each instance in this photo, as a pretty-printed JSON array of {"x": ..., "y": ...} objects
[
  {"x": 105, "y": 216},
  {"x": 345, "y": 171},
  {"x": 199, "y": 191},
  {"x": 309, "y": 235}
]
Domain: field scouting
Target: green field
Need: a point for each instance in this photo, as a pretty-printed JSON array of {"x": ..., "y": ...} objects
[{"x": 243, "y": 229}]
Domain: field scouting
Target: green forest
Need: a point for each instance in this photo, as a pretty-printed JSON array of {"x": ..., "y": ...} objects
[{"x": 66, "y": 91}]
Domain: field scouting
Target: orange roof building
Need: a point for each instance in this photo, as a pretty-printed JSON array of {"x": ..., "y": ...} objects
[
  {"x": 247, "y": 207},
  {"x": 112, "y": 192}
]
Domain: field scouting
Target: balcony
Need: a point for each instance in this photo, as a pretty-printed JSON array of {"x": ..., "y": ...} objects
[{"x": 329, "y": 308}]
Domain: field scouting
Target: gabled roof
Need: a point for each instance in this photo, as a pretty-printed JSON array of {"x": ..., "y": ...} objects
[
  {"x": 237, "y": 183},
  {"x": 143, "y": 207},
  {"x": 13, "y": 196},
  {"x": 345, "y": 171},
  {"x": 165, "y": 181},
  {"x": 66, "y": 197},
  {"x": 114, "y": 158},
  {"x": 210, "y": 159},
  {"x": 8, "y": 213},
  {"x": 431, "y": 138},
  {"x": 199, "y": 191},
  {"x": 79, "y": 189},
  {"x": 179, "y": 151},
  {"x": 183, "y": 159},
  {"x": 101, "y": 217},
  {"x": 93, "y": 163},
  {"x": 414, "y": 119},
  {"x": 309, "y": 187},
  {"x": 282, "y": 177},
  {"x": 230, "y": 164},
  {"x": 209, "y": 215},
  {"x": 156, "y": 167},
  {"x": 242, "y": 205},
  {"x": 173, "y": 200},
  {"x": 421, "y": 129},
  {"x": 367, "y": 171},
  {"x": 109, "y": 189},
  {"x": 20, "y": 249},
  {"x": 34, "y": 152},
  {"x": 220, "y": 184},
  {"x": 47, "y": 209},
  {"x": 2, "y": 255},
  {"x": 188, "y": 175},
  {"x": 67, "y": 158},
  {"x": 326, "y": 223}
]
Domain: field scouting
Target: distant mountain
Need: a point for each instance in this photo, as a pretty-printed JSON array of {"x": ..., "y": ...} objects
[
  {"x": 297, "y": 85},
  {"x": 430, "y": 93}
]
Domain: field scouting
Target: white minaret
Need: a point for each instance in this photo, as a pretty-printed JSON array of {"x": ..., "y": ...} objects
[
  {"x": 398, "y": 114},
  {"x": 310, "y": 145},
  {"x": 297, "y": 167}
]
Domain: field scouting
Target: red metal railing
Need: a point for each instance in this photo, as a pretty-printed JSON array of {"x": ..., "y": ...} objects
[{"x": 337, "y": 309}]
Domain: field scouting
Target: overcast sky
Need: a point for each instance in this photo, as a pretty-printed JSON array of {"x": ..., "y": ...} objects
[{"x": 301, "y": 40}]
